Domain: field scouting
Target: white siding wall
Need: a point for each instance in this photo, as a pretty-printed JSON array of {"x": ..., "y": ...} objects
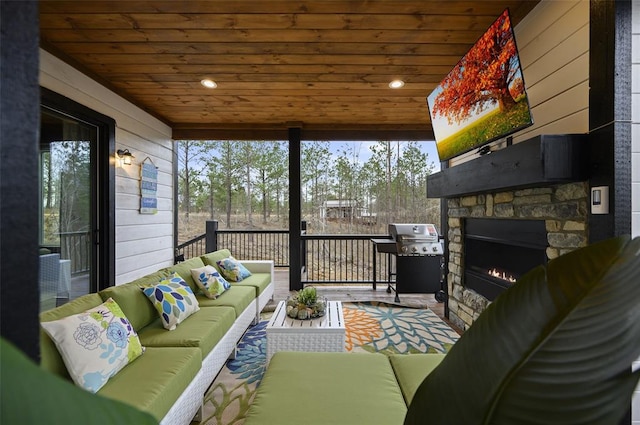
[
  {"x": 144, "y": 243},
  {"x": 635, "y": 158},
  {"x": 553, "y": 41}
]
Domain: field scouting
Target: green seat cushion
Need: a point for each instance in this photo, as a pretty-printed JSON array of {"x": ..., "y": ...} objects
[
  {"x": 133, "y": 302},
  {"x": 204, "y": 329},
  {"x": 411, "y": 369},
  {"x": 50, "y": 358},
  {"x": 155, "y": 380},
  {"x": 184, "y": 270},
  {"x": 238, "y": 297},
  {"x": 259, "y": 281},
  {"x": 298, "y": 387}
]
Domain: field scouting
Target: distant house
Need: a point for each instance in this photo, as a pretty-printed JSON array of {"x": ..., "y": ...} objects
[
  {"x": 339, "y": 209},
  {"x": 346, "y": 209}
]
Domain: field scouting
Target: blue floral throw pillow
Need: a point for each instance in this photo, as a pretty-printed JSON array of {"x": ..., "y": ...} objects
[
  {"x": 233, "y": 269},
  {"x": 173, "y": 299},
  {"x": 96, "y": 344},
  {"x": 209, "y": 281}
]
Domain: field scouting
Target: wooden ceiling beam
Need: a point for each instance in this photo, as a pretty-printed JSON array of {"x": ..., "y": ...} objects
[{"x": 309, "y": 132}]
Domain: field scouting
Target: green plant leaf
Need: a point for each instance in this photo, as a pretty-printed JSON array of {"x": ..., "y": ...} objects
[{"x": 556, "y": 348}]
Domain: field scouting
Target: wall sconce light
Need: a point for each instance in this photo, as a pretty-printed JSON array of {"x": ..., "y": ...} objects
[{"x": 125, "y": 156}]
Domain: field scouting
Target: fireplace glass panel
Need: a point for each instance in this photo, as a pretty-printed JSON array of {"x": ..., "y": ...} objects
[
  {"x": 497, "y": 252},
  {"x": 513, "y": 261}
]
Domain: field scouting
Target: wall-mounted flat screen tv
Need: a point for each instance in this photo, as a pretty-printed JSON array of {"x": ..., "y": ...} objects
[{"x": 483, "y": 98}]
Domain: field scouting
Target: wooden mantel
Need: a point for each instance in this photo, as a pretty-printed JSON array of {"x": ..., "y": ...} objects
[{"x": 539, "y": 161}]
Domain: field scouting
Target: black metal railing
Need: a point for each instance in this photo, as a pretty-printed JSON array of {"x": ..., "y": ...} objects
[
  {"x": 76, "y": 246},
  {"x": 192, "y": 248},
  {"x": 256, "y": 245},
  {"x": 344, "y": 259},
  {"x": 244, "y": 244},
  {"x": 326, "y": 259}
]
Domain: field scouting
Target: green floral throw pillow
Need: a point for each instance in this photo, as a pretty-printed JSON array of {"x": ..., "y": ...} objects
[
  {"x": 173, "y": 299},
  {"x": 96, "y": 344},
  {"x": 233, "y": 269},
  {"x": 209, "y": 281}
]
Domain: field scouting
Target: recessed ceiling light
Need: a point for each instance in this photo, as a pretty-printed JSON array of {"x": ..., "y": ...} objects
[
  {"x": 396, "y": 84},
  {"x": 210, "y": 84}
]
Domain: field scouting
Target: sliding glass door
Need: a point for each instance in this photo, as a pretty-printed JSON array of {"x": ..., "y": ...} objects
[
  {"x": 77, "y": 200},
  {"x": 67, "y": 218}
]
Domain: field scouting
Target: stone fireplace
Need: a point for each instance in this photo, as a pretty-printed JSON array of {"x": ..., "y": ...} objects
[
  {"x": 516, "y": 229},
  {"x": 512, "y": 209}
]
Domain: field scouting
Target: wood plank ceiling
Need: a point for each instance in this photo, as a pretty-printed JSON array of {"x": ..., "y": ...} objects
[{"x": 322, "y": 65}]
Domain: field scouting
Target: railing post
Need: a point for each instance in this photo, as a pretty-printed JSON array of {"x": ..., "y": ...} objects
[
  {"x": 211, "y": 240},
  {"x": 303, "y": 227}
]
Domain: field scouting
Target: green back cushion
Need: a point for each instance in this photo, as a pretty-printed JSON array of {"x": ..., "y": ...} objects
[
  {"x": 212, "y": 258},
  {"x": 133, "y": 302},
  {"x": 184, "y": 270},
  {"x": 410, "y": 371},
  {"x": 50, "y": 357}
]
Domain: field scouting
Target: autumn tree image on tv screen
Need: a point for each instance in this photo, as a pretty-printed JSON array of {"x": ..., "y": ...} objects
[{"x": 483, "y": 98}]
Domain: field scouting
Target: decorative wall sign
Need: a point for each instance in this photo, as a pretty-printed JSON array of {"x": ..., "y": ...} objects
[{"x": 148, "y": 187}]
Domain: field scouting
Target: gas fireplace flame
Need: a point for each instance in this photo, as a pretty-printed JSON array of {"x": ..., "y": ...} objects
[{"x": 501, "y": 275}]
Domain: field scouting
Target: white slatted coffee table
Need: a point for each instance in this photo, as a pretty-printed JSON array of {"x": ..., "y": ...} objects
[{"x": 324, "y": 333}]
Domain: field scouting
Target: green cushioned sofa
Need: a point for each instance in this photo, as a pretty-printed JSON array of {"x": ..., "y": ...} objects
[{"x": 169, "y": 380}]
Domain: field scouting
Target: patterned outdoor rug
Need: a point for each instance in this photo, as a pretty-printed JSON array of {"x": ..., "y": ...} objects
[{"x": 370, "y": 327}]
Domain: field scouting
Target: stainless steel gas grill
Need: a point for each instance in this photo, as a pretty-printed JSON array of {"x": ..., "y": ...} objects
[
  {"x": 415, "y": 239},
  {"x": 418, "y": 254}
]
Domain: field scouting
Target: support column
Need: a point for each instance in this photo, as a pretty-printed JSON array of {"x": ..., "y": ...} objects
[
  {"x": 295, "y": 211},
  {"x": 610, "y": 114}
]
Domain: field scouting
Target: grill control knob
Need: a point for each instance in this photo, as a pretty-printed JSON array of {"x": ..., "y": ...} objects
[
  {"x": 414, "y": 249},
  {"x": 404, "y": 249},
  {"x": 424, "y": 248},
  {"x": 435, "y": 249}
]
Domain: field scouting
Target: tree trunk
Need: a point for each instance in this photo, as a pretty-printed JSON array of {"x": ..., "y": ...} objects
[{"x": 264, "y": 197}]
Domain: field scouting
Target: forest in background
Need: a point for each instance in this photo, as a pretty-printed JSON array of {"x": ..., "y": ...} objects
[{"x": 244, "y": 185}]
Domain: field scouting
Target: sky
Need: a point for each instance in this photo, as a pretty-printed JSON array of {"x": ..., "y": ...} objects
[{"x": 363, "y": 148}]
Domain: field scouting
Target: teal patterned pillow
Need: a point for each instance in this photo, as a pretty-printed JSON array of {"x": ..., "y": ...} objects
[
  {"x": 233, "y": 269},
  {"x": 209, "y": 281},
  {"x": 96, "y": 344},
  {"x": 173, "y": 299}
]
